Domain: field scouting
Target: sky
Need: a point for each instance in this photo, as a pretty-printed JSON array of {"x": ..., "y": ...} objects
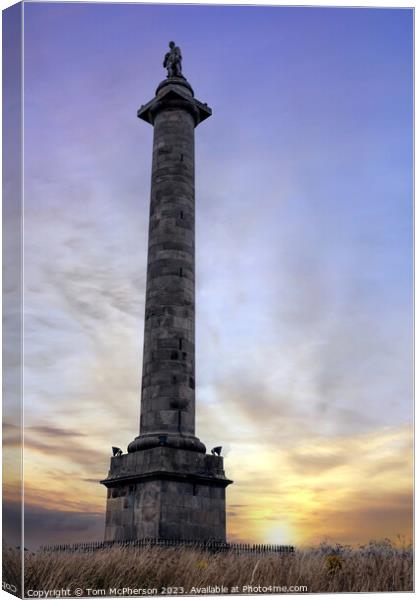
[{"x": 303, "y": 260}]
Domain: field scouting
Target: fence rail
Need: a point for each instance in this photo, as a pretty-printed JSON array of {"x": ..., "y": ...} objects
[{"x": 208, "y": 546}]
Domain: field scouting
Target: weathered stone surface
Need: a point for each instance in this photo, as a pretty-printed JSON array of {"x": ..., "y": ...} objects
[
  {"x": 168, "y": 493},
  {"x": 168, "y": 382}
]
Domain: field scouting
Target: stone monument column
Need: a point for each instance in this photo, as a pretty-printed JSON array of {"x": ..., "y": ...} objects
[
  {"x": 166, "y": 486},
  {"x": 168, "y": 383}
]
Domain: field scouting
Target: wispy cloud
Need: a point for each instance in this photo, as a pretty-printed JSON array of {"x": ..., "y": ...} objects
[
  {"x": 323, "y": 487},
  {"x": 60, "y": 524}
]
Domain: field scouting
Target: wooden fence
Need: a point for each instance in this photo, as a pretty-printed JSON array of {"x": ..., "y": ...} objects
[{"x": 208, "y": 546}]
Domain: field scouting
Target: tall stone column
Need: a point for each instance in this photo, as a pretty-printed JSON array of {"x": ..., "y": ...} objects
[
  {"x": 166, "y": 486},
  {"x": 168, "y": 383}
]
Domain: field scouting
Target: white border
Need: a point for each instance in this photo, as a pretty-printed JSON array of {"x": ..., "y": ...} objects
[{"x": 391, "y": 4}]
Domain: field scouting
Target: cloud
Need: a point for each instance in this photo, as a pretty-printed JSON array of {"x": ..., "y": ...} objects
[
  {"x": 82, "y": 455},
  {"x": 54, "y": 432},
  {"x": 307, "y": 462},
  {"x": 43, "y": 526},
  {"x": 323, "y": 487},
  {"x": 12, "y": 435},
  {"x": 387, "y": 517}
]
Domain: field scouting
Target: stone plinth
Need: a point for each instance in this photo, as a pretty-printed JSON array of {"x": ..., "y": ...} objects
[{"x": 166, "y": 493}]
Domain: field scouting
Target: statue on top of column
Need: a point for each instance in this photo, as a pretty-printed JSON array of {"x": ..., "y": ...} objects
[{"x": 173, "y": 61}]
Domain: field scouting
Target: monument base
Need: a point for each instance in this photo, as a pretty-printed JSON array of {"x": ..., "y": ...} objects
[{"x": 166, "y": 493}]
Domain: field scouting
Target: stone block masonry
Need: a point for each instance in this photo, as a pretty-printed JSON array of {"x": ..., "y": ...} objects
[
  {"x": 166, "y": 493},
  {"x": 168, "y": 383}
]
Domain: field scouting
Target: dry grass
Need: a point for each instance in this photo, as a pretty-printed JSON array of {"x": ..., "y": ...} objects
[{"x": 379, "y": 566}]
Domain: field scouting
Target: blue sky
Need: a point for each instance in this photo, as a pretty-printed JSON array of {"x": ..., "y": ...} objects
[{"x": 304, "y": 266}]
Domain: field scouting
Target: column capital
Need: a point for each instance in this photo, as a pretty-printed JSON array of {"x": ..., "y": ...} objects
[{"x": 174, "y": 92}]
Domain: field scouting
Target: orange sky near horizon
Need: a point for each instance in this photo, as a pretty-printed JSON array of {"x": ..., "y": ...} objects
[{"x": 348, "y": 490}]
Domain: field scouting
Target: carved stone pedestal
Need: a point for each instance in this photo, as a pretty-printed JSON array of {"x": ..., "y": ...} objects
[{"x": 166, "y": 493}]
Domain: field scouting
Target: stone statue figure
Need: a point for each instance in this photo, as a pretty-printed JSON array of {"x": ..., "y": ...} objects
[{"x": 173, "y": 60}]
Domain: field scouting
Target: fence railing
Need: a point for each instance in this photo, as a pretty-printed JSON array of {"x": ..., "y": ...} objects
[{"x": 208, "y": 546}]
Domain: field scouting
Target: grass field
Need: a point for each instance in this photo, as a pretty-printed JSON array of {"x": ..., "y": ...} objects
[{"x": 378, "y": 566}]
